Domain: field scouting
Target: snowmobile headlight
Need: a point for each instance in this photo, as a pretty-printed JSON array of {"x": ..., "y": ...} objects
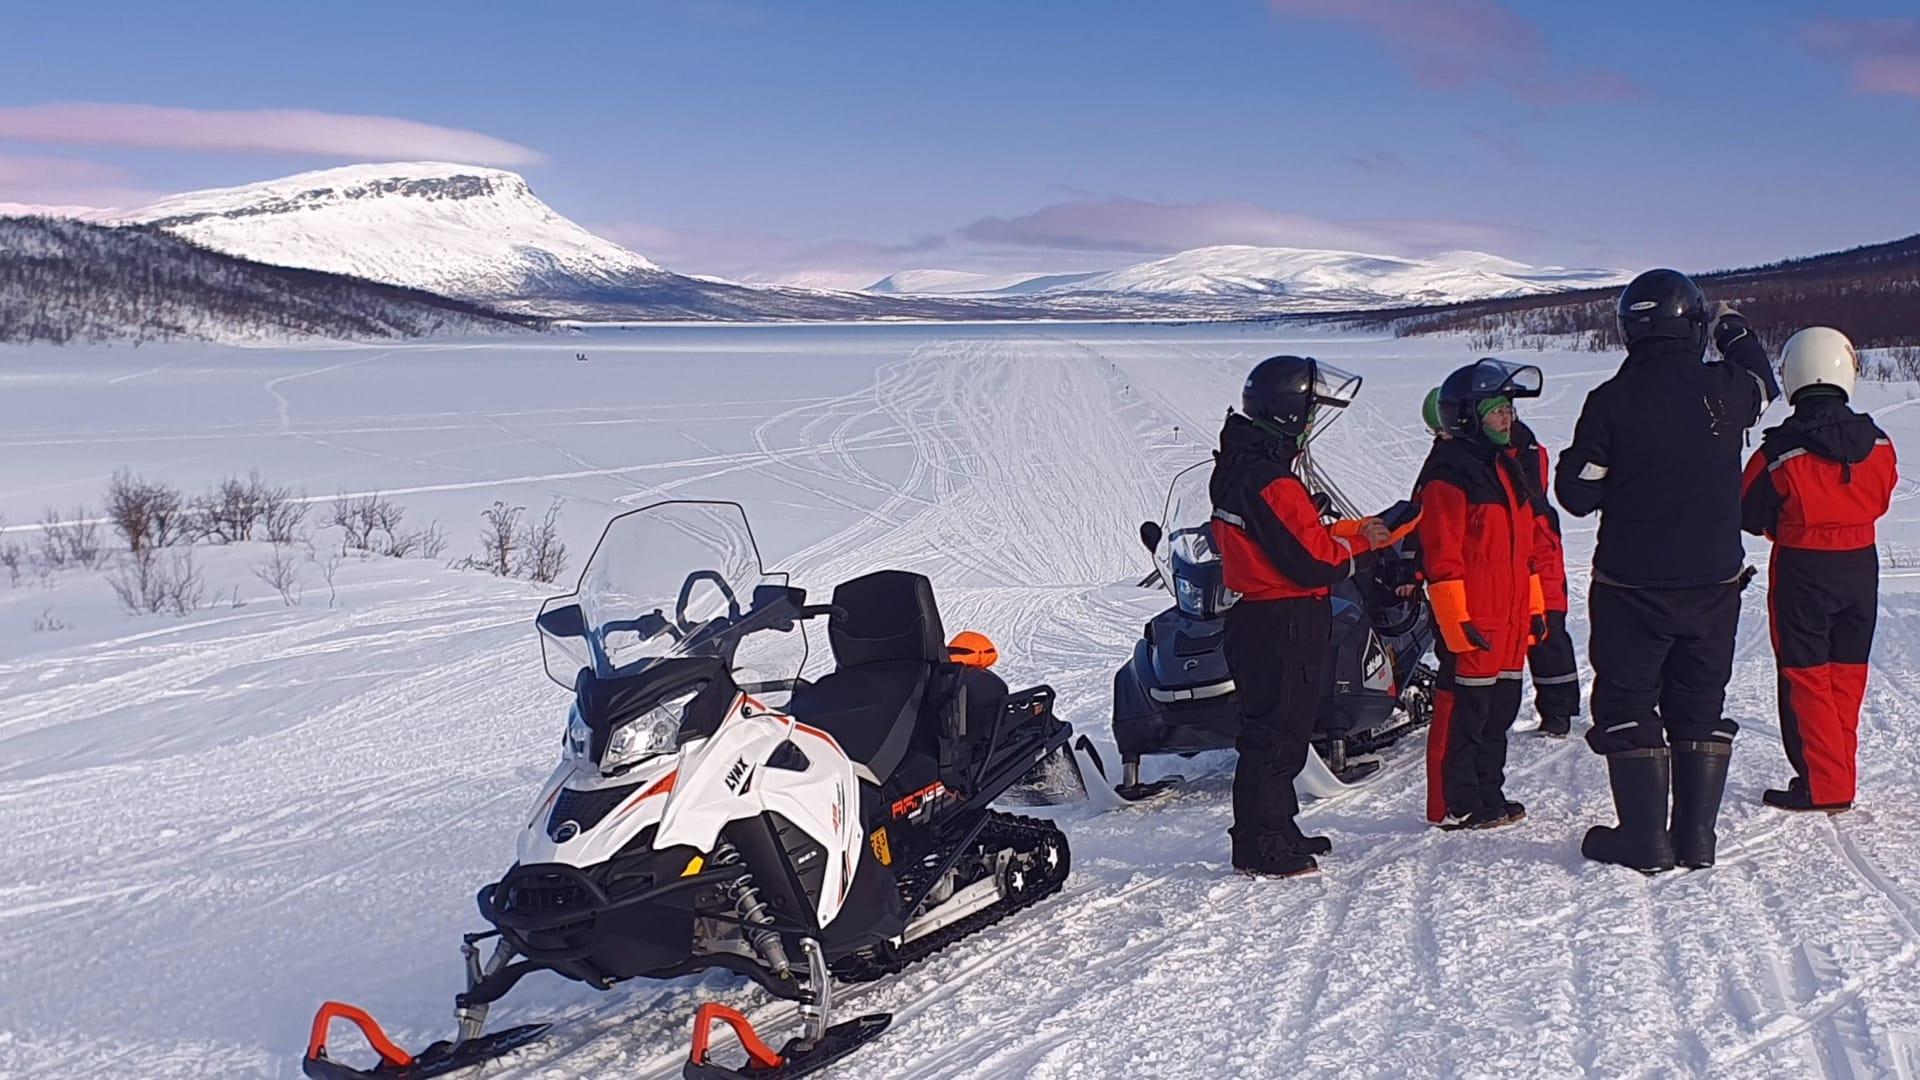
[{"x": 650, "y": 734}]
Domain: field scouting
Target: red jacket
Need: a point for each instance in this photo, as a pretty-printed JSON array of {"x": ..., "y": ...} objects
[
  {"x": 1820, "y": 479},
  {"x": 1483, "y": 536},
  {"x": 1272, "y": 543}
]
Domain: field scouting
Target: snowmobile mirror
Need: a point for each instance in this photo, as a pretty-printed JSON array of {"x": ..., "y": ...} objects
[
  {"x": 768, "y": 599},
  {"x": 565, "y": 621},
  {"x": 1150, "y": 535}
]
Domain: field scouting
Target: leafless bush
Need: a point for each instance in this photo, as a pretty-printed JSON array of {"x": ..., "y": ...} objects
[
  {"x": 146, "y": 513},
  {"x": 12, "y": 554},
  {"x": 148, "y": 583},
  {"x": 499, "y": 540},
  {"x": 357, "y": 516},
  {"x": 542, "y": 555},
  {"x": 71, "y": 539},
  {"x": 281, "y": 573},
  {"x": 328, "y": 565},
  {"x": 228, "y": 513},
  {"x": 47, "y": 622},
  {"x": 372, "y": 527},
  {"x": 282, "y": 512}
]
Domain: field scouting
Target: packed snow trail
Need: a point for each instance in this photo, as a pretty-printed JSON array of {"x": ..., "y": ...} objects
[{"x": 217, "y": 822}]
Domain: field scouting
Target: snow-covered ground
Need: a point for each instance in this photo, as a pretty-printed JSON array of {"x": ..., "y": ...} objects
[{"x": 214, "y": 822}]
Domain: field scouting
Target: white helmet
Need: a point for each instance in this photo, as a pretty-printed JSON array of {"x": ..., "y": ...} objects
[{"x": 1819, "y": 356}]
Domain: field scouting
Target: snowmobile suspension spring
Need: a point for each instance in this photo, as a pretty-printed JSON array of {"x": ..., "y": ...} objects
[{"x": 753, "y": 917}]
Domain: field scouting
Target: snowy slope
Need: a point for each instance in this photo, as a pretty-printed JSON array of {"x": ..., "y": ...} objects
[
  {"x": 1300, "y": 279},
  {"x": 968, "y": 283},
  {"x": 218, "y": 821},
  {"x": 452, "y": 229},
  {"x": 476, "y": 234}
]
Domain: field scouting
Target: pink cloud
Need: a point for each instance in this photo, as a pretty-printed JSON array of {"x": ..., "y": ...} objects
[
  {"x": 1138, "y": 226},
  {"x": 66, "y": 187},
  {"x": 288, "y": 131},
  {"x": 1457, "y": 44},
  {"x": 1885, "y": 53}
]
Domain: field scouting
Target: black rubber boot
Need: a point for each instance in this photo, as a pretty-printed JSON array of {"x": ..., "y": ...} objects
[
  {"x": 1556, "y": 727},
  {"x": 1315, "y": 845},
  {"x": 1640, "y": 780},
  {"x": 1699, "y": 779},
  {"x": 1272, "y": 855}
]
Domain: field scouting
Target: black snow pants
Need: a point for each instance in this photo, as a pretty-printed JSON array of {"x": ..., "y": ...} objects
[
  {"x": 1473, "y": 764},
  {"x": 1277, "y": 652},
  {"x": 1556, "y": 675},
  {"x": 1661, "y": 661}
]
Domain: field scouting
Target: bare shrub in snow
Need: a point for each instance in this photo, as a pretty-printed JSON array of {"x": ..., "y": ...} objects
[
  {"x": 499, "y": 540},
  {"x": 146, "y": 513},
  {"x": 48, "y": 622},
  {"x": 149, "y": 582},
  {"x": 12, "y": 554},
  {"x": 281, "y": 573},
  {"x": 71, "y": 539},
  {"x": 282, "y": 512},
  {"x": 329, "y": 565},
  {"x": 372, "y": 527},
  {"x": 357, "y": 516},
  {"x": 542, "y": 556}
]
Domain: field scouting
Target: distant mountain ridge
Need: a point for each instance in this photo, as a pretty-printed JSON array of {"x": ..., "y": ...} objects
[{"x": 64, "y": 280}]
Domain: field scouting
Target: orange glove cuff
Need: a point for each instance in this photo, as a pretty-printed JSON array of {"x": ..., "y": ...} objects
[
  {"x": 1536, "y": 596},
  {"x": 1449, "y": 600},
  {"x": 1347, "y": 528}
]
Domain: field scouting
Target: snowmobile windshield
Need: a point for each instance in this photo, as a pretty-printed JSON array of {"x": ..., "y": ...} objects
[
  {"x": 1189, "y": 563},
  {"x": 673, "y": 580}
]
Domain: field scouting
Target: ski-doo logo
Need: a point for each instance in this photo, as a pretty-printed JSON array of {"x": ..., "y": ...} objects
[
  {"x": 736, "y": 775},
  {"x": 567, "y": 831}
]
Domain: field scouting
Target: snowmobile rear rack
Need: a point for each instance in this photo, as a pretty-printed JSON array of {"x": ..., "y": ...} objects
[{"x": 395, "y": 1063}]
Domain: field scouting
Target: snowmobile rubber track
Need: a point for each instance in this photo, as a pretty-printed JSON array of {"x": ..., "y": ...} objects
[{"x": 1024, "y": 835}]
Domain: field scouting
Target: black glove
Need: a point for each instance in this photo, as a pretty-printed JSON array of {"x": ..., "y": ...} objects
[
  {"x": 1730, "y": 328},
  {"x": 1474, "y": 637},
  {"x": 1539, "y": 629}
]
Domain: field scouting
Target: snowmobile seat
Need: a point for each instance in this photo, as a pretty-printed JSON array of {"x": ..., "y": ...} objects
[{"x": 888, "y": 645}]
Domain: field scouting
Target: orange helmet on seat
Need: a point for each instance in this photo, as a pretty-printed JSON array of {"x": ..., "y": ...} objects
[{"x": 971, "y": 648}]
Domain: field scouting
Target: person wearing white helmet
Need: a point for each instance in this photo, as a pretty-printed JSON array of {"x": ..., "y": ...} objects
[{"x": 1815, "y": 488}]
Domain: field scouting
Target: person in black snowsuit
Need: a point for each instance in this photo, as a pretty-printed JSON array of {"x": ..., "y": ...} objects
[
  {"x": 1656, "y": 452},
  {"x": 1282, "y": 559}
]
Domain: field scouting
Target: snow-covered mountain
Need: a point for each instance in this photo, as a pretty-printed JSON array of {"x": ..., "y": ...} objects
[
  {"x": 968, "y": 283},
  {"x": 1274, "y": 279},
  {"x": 477, "y": 234}
]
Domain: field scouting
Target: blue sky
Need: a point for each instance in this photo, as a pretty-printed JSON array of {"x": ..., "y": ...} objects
[{"x": 773, "y": 139}]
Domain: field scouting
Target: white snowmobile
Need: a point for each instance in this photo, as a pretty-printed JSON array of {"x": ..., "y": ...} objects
[{"x": 712, "y": 808}]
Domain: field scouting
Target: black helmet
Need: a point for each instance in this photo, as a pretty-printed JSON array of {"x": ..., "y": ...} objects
[
  {"x": 1463, "y": 392},
  {"x": 1282, "y": 392},
  {"x": 1663, "y": 304}
]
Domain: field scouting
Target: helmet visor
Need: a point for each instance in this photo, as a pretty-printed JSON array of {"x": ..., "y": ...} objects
[
  {"x": 1498, "y": 378},
  {"x": 1332, "y": 386}
]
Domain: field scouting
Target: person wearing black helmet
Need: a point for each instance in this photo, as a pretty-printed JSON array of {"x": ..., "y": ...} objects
[
  {"x": 1483, "y": 536},
  {"x": 1278, "y": 555},
  {"x": 1656, "y": 452}
]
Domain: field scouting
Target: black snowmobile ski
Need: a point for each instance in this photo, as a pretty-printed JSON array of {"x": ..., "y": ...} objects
[
  {"x": 396, "y": 1064},
  {"x": 999, "y": 831},
  {"x": 795, "y": 1059}
]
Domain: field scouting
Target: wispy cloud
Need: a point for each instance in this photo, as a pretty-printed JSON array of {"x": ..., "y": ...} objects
[
  {"x": 68, "y": 185},
  {"x": 1376, "y": 161},
  {"x": 1141, "y": 227},
  {"x": 1457, "y": 44},
  {"x": 1885, "y": 53},
  {"x": 288, "y": 131},
  {"x": 757, "y": 256}
]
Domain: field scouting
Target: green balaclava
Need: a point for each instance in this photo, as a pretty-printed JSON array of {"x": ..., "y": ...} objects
[
  {"x": 1497, "y": 438},
  {"x": 1430, "y": 410}
]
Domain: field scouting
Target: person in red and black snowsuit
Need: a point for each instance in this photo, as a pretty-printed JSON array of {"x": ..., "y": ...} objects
[
  {"x": 1556, "y": 673},
  {"x": 1481, "y": 534},
  {"x": 1816, "y": 486},
  {"x": 1278, "y": 555}
]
